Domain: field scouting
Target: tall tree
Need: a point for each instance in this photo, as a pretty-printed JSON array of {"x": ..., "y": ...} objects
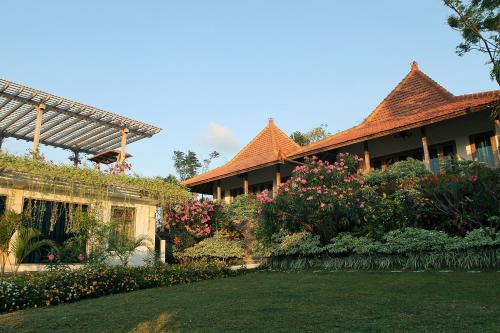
[
  {"x": 478, "y": 21},
  {"x": 207, "y": 161},
  {"x": 306, "y": 138},
  {"x": 186, "y": 164}
]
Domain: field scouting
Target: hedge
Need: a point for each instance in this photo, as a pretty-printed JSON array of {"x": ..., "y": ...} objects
[{"x": 51, "y": 288}]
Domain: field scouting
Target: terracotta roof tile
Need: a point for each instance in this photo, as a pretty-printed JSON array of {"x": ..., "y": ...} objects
[
  {"x": 415, "y": 101},
  {"x": 270, "y": 146}
]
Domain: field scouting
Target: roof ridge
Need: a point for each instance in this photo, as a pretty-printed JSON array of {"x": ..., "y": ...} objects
[
  {"x": 414, "y": 71},
  {"x": 488, "y": 93}
]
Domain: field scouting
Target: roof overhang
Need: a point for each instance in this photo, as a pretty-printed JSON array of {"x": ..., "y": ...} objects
[{"x": 65, "y": 124}]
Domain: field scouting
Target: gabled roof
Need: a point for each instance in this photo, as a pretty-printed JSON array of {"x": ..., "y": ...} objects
[
  {"x": 416, "y": 101},
  {"x": 269, "y": 147}
]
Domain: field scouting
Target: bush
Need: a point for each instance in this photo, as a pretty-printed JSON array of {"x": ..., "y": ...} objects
[
  {"x": 216, "y": 247},
  {"x": 239, "y": 217},
  {"x": 320, "y": 198},
  {"x": 392, "y": 197},
  {"x": 50, "y": 288},
  {"x": 460, "y": 201},
  {"x": 298, "y": 244}
]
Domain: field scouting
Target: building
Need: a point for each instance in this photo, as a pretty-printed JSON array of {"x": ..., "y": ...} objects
[
  {"x": 32, "y": 115},
  {"x": 418, "y": 119}
]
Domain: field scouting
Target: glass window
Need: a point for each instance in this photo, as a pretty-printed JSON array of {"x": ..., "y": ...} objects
[
  {"x": 484, "y": 152},
  {"x": 54, "y": 220},
  {"x": 123, "y": 220},
  {"x": 3, "y": 203}
]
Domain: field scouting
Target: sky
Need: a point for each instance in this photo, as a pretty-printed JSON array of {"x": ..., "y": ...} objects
[{"x": 211, "y": 73}]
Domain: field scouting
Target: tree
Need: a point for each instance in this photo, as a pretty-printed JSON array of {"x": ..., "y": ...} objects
[
  {"x": 186, "y": 164},
  {"x": 478, "y": 21},
  {"x": 306, "y": 138},
  {"x": 212, "y": 156}
]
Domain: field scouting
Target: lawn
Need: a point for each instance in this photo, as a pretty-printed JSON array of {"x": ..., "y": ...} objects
[{"x": 286, "y": 302}]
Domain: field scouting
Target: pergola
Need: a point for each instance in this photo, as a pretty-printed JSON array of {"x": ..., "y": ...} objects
[{"x": 32, "y": 115}]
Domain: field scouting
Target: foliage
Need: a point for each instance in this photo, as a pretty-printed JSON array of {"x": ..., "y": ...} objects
[
  {"x": 123, "y": 247},
  {"x": 26, "y": 242},
  {"x": 207, "y": 161},
  {"x": 186, "y": 164},
  {"x": 216, "y": 247},
  {"x": 300, "y": 244},
  {"x": 194, "y": 217},
  {"x": 9, "y": 222},
  {"x": 89, "y": 182},
  {"x": 478, "y": 21},
  {"x": 51, "y": 288},
  {"x": 320, "y": 198},
  {"x": 239, "y": 217},
  {"x": 306, "y": 138},
  {"x": 466, "y": 198}
]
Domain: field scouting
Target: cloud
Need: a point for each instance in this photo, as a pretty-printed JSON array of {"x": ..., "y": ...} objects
[{"x": 220, "y": 138}]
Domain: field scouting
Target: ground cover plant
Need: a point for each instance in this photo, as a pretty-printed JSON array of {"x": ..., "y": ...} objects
[{"x": 303, "y": 301}]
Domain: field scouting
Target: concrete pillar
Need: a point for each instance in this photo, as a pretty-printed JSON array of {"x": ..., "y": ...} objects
[
  {"x": 367, "y": 157},
  {"x": 38, "y": 126},
  {"x": 163, "y": 250},
  {"x": 425, "y": 146}
]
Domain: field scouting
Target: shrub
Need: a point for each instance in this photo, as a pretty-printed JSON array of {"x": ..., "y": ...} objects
[
  {"x": 320, "y": 198},
  {"x": 392, "y": 196},
  {"x": 239, "y": 217},
  {"x": 50, "y": 288},
  {"x": 298, "y": 244},
  {"x": 458, "y": 202},
  {"x": 216, "y": 247},
  {"x": 195, "y": 217}
]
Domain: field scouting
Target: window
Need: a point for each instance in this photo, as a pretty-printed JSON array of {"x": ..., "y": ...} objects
[
  {"x": 54, "y": 220},
  {"x": 440, "y": 153},
  {"x": 123, "y": 219},
  {"x": 3, "y": 203},
  {"x": 482, "y": 150}
]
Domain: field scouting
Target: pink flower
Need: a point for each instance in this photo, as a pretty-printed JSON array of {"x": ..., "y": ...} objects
[
  {"x": 81, "y": 257},
  {"x": 51, "y": 257},
  {"x": 362, "y": 205},
  {"x": 309, "y": 198}
]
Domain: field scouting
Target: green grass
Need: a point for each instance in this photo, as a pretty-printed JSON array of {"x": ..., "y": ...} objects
[{"x": 286, "y": 302}]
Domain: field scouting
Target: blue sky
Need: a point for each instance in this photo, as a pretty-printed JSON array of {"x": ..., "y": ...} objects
[{"x": 210, "y": 73}]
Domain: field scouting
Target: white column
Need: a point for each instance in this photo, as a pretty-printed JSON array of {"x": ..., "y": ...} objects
[
  {"x": 123, "y": 153},
  {"x": 163, "y": 250}
]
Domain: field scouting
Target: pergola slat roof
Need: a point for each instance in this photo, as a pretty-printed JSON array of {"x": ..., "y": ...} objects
[{"x": 65, "y": 124}]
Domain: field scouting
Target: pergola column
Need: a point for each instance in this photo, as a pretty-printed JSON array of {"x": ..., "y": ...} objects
[
  {"x": 367, "y": 157},
  {"x": 38, "y": 126},
  {"x": 76, "y": 158},
  {"x": 245, "y": 184},
  {"x": 425, "y": 146},
  {"x": 123, "y": 153},
  {"x": 277, "y": 178}
]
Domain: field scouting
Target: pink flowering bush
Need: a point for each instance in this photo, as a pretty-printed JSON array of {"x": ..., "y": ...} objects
[
  {"x": 321, "y": 197},
  {"x": 196, "y": 218}
]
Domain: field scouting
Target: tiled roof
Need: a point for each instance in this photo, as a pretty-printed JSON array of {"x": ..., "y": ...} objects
[
  {"x": 417, "y": 100},
  {"x": 269, "y": 147}
]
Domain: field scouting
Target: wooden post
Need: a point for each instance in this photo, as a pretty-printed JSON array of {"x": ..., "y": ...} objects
[
  {"x": 218, "y": 191},
  {"x": 277, "y": 178},
  {"x": 123, "y": 153},
  {"x": 367, "y": 157},
  {"x": 76, "y": 158},
  {"x": 245, "y": 184},
  {"x": 495, "y": 143},
  {"x": 38, "y": 126},
  {"x": 425, "y": 146}
]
